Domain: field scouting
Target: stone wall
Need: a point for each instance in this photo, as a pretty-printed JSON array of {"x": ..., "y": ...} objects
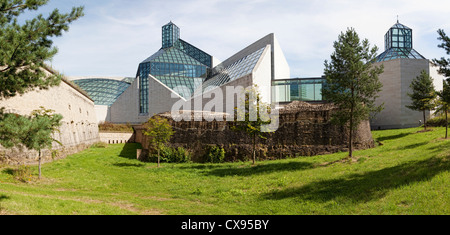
[
  {"x": 79, "y": 124},
  {"x": 116, "y": 137},
  {"x": 305, "y": 130}
]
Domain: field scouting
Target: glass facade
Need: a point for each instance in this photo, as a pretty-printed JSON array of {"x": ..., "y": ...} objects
[
  {"x": 170, "y": 34},
  {"x": 399, "y": 36},
  {"x": 104, "y": 91},
  {"x": 194, "y": 52},
  {"x": 179, "y": 65},
  {"x": 234, "y": 71},
  {"x": 301, "y": 89},
  {"x": 173, "y": 68},
  {"x": 399, "y": 44}
]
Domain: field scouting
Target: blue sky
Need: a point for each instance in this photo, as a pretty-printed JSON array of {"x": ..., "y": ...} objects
[{"x": 114, "y": 36}]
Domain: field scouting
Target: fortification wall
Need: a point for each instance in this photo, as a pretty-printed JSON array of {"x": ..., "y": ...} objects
[
  {"x": 79, "y": 126},
  {"x": 304, "y": 130}
]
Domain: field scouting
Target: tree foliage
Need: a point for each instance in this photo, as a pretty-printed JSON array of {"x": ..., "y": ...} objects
[
  {"x": 40, "y": 134},
  {"x": 159, "y": 132},
  {"x": 34, "y": 132},
  {"x": 444, "y": 69},
  {"x": 443, "y": 104},
  {"x": 12, "y": 128},
  {"x": 443, "y": 63},
  {"x": 352, "y": 82},
  {"x": 423, "y": 94},
  {"x": 26, "y": 47},
  {"x": 254, "y": 117}
]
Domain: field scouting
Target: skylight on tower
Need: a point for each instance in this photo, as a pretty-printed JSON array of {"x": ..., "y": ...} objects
[
  {"x": 170, "y": 34},
  {"x": 398, "y": 43}
]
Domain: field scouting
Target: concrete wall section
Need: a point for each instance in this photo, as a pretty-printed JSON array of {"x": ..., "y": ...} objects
[
  {"x": 280, "y": 65},
  {"x": 390, "y": 96},
  {"x": 437, "y": 78},
  {"x": 220, "y": 99},
  {"x": 103, "y": 113},
  {"x": 411, "y": 69},
  {"x": 262, "y": 75},
  {"x": 396, "y": 79},
  {"x": 126, "y": 107},
  {"x": 161, "y": 97}
]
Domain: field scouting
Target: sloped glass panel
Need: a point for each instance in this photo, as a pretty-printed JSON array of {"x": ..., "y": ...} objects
[
  {"x": 103, "y": 91},
  {"x": 239, "y": 69}
]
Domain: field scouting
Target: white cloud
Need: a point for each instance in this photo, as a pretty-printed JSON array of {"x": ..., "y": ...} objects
[{"x": 115, "y": 36}]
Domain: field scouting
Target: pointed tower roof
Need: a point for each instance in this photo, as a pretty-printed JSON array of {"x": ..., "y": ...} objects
[
  {"x": 170, "y": 35},
  {"x": 399, "y": 44}
]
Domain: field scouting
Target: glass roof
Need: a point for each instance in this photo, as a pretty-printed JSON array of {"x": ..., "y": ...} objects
[
  {"x": 103, "y": 91},
  {"x": 235, "y": 71},
  {"x": 400, "y": 26},
  {"x": 170, "y": 34},
  {"x": 194, "y": 52},
  {"x": 175, "y": 69},
  {"x": 399, "y": 44},
  {"x": 172, "y": 55},
  {"x": 396, "y": 53}
]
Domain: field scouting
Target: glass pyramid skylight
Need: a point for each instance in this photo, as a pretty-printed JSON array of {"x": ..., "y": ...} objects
[
  {"x": 178, "y": 65},
  {"x": 399, "y": 44}
]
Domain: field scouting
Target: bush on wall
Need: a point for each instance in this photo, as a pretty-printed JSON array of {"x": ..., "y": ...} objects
[
  {"x": 214, "y": 154},
  {"x": 172, "y": 155}
]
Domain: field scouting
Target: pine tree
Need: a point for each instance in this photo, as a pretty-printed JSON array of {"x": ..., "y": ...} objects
[
  {"x": 444, "y": 103},
  {"x": 423, "y": 94},
  {"x": 444, "y": 69},
  {"x": 25, "y": 48},
  {"x": 443, "y": 63},
  {"x": 33, "y": 132},
  {"x": 42, "y": 124},
  {"x": 352, "y": 82},
  {"x": 12, "y": 129}
]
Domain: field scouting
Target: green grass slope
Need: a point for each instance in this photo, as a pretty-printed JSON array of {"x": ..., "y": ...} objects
[{"x": 407, "y": 173}]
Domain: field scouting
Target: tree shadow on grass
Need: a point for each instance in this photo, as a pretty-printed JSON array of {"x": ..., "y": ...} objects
[
  {"x": 260, "y": 169},
  {"x": 8, "y": 171},
  {"x": 412, "y": 146},
  {"x": 129, "y": 150},
  {"x": 392, "y": 137},
  {"x": 443, "y": 146},
  {"x": 368, "y": 186},
  {"x": 129, "y": 164}
]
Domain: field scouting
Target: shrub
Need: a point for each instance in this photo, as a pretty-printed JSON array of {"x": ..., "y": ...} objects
[
  {"x": 214, "y": 154},
  {"x": 23, "y": 174},
  {"x": 438, "y": 121},
  {"x": 99, "y": 145},
  {"x": 171, "y": 155},
  {"x": 112, "y": 127}
]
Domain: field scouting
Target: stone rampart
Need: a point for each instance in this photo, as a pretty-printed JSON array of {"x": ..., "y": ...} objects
[
  {"x": 79, "y": 127},
  {"x": 304, "y": 130}
]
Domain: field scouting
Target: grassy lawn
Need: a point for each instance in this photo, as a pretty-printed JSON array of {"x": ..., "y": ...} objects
[{"x": 408, "y": 174}]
